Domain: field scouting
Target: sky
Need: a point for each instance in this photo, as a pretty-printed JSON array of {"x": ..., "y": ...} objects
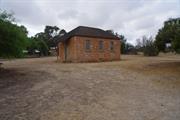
[{"x": 131, "y": 18}]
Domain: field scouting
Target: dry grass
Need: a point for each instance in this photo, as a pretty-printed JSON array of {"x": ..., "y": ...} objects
[
  {"x": 152, "y": 65},
  {"x": 136, "y": 87}
]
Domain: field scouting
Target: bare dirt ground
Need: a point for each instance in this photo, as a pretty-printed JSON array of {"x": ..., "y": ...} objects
[{"x": 135, "y": 88}]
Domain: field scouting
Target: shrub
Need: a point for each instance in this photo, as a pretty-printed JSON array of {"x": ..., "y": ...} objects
[{"x": 149, "y": 48}]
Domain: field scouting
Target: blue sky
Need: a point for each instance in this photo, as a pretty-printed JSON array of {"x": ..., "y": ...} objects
[{"x": 132, "y": 18}]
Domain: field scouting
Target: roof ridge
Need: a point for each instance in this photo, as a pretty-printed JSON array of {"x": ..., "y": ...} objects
[
  {"x": 89, "y": 27},
  {"x": 89, "y": 31}
]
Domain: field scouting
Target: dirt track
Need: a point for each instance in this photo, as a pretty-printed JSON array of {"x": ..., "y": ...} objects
[{"x": 136, "y": 88}]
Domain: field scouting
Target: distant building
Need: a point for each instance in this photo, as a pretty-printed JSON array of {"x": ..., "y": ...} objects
[{"x": 87, "y": 44}]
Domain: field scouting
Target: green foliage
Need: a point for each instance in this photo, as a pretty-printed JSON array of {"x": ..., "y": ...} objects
[
  {"x": 24, "y": 29},
  {"x": 49, "y": 33},
  {"x": 130, "y": 49},
  {"x": 6, "y": 16},
  {"x": 13, "y": 39},
  {"x": 168, "y": 34},
  {"x": 62, "y": 32},
  {"x": 44, "y": 40},
  {"x": 126, "y": 48},
  {"x": 43, "y": 48},
  {"x": 176, "y": 41},
  {"x": 165, "y": 35},
  {"x": 123, "y": 44},
  {"x": 147, "y": 46},
  {"x": 123, "y": 47},
  {"x": 37, "y": 44}
]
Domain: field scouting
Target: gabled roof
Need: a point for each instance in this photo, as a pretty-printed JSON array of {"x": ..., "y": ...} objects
[{"x": 88, "y": 32}]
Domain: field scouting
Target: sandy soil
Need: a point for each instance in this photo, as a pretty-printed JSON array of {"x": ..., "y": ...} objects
[{"x": 135, "y": 88}]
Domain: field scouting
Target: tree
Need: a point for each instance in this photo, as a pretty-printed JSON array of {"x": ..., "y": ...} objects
[
  {"x": 125, "y": 47},
  {"x": 8, "y": 17},
  {"x": 37, "y": 44},
  {"x": 148, "y": 46},
  {"x": 169, "y": 33},
  {"x": 111, "y": 32},
  {"x": 41, "y": 44},
  {"x": 50, "y": 32},
  {"x": 165, "y": 35},
  {"x": 32, "y": 46},
  {"x": 123, "y": 44},
  {"x": 62, "y": 32},
  {"x": 41, "y": 36},
  {"x": 139, "y": 45},
  {"x": 24, "y": 29},
  {"x": 176, "y": 42},
  {"x": 43, "y": 41},
  {"x": 13, "y": 39},
  {"x": 56, "y": 38}
]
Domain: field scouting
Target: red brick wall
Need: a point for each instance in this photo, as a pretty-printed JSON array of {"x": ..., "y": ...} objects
[
  {"x": 70, "y": 50},
  {"x": 61, "y": 52},
  {"x": 76, "y": 51}
]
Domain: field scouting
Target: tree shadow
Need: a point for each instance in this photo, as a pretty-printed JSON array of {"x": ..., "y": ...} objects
[{"x": 9, "y": 77}]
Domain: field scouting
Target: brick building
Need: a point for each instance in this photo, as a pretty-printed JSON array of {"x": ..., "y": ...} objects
[{"x": 86, "y": 44}]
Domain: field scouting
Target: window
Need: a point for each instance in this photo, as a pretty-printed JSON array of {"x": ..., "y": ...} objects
[
  {"x": 88, "y": 45},
  {"x": 111, "y": 45},
  {"x": 101, "y": 46}
]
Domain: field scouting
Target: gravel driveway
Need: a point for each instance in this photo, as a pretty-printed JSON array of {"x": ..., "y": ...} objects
[{"x": 135, "y": 88}]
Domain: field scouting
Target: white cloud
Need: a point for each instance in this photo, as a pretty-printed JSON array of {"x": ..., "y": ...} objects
[{"x": 133, "y": 18}]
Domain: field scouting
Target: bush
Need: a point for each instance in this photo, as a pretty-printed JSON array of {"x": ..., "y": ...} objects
[
  {"x": 36, "y": 44},
  {"x": 149, "y": 48}
]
